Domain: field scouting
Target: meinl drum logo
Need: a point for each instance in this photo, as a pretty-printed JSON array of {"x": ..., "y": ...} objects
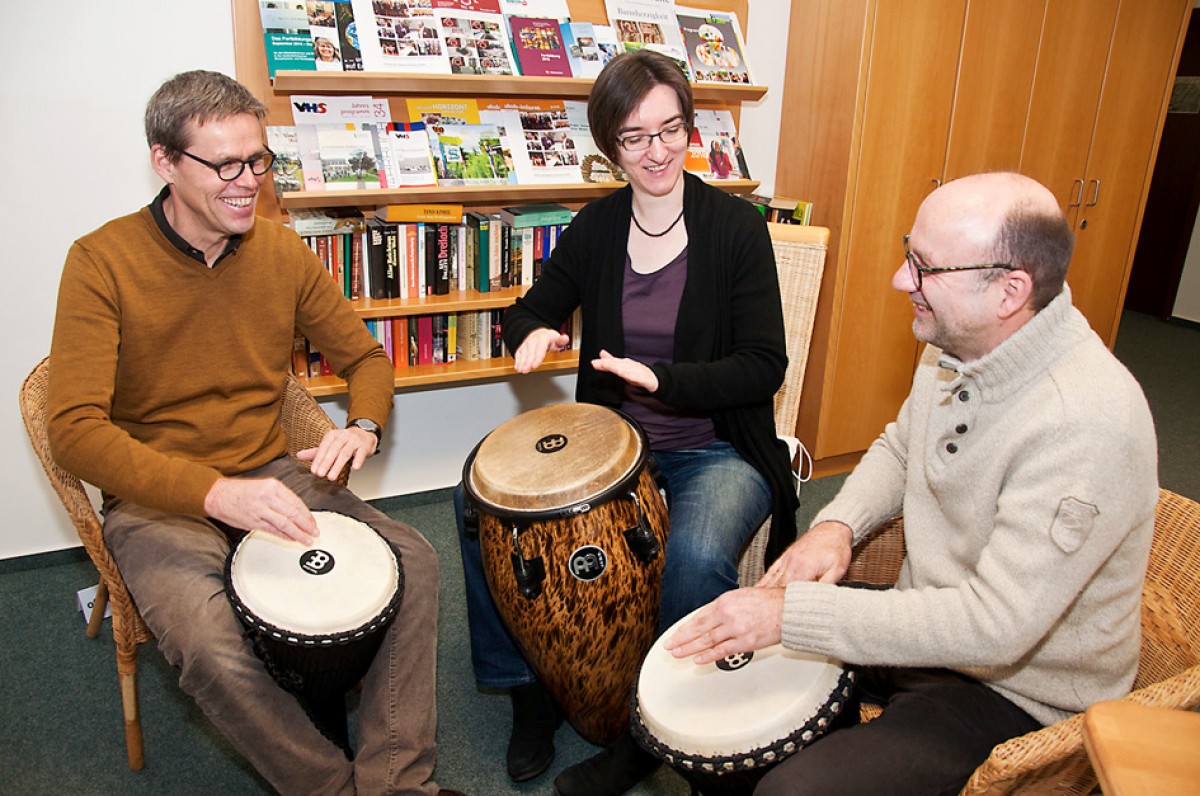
[
  {"x": 731, "y": 663},
  {"x": 316, "y": 562},
  {"x": 551, "y": 443},
  {"x": 588, "y": 563}
]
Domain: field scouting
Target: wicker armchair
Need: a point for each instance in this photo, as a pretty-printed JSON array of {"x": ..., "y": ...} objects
[
  {"x": 800, "y": 260},
  {"x": 304, "y": 423},
  {"x": 1053, "y": 759}
]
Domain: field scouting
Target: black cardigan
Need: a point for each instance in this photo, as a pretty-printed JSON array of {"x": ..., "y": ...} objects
[{"x": 730, "y": 352}]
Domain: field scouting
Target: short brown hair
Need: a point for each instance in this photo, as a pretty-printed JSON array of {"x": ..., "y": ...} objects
[
  {"x": 623, "y": 84},
  {"x": 199, "y": 96},
  {"x": 1040, "y": 244}
]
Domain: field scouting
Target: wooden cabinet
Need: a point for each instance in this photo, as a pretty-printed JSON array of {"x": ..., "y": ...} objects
[
  {"x": 1131, "y": 49},
  {"x": 885, "y": 99},
  {"x": 250, "y": 57}
]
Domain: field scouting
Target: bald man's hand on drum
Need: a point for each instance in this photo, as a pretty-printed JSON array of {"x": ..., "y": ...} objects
[{"x": 261, "y": 504}]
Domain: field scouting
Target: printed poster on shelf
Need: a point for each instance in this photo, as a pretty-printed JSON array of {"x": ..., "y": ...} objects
[
  {"x": 714, "y": 44},
  {"x": 538, "y": 43},
  {"x": 400, "y": 36},
  {"x": 537, "y": 133},
  {"x": 589, "y": 47},
  {"x": 334, "y": 36},
  {"x": 469, "y": 154},
  {"x": 649, "y": 24},
  {"x": 714, "y": 152},
  {"x": 594, "y": 166},
  {"x": 475, "y": 37},
  {"x": 288, "y": 42},
  {"x": 286, "y": 171},
  {"x": 348, "y": 159},
  {"x": 312, "y": 110}
]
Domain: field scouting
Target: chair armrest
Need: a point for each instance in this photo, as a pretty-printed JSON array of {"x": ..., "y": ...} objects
[{"x": 1055, "y": 755}]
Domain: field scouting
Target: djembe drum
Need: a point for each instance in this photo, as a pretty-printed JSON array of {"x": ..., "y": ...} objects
[
  {"x": 722, "y": 726},
  {"x": 572, "y": 532},
  {"x": 317, "y": 615}
]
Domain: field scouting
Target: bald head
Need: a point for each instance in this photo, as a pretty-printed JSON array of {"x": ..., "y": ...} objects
[{"x": 1009, "y": 218}]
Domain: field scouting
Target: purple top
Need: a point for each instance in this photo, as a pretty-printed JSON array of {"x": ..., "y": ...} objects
[{"x": 650, "y": 306}]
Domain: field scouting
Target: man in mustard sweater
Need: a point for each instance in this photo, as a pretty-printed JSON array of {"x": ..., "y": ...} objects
[
  {"x": 1024, "y": 462},
  {"x": 172, "y": 343}
]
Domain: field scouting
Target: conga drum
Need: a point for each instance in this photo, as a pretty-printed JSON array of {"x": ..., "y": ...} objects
[
  {"x": 572, "y": 532},
  {"x": 722, "y": 726},
  {"x": 317, "y": 615}
]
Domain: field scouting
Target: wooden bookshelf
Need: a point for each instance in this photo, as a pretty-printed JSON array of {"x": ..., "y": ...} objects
[
  {"x": 458, "y": 372},
  {"x": 251, "y": 68}
]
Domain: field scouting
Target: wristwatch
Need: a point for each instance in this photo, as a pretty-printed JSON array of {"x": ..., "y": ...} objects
[{"x": 369, "y": 425}]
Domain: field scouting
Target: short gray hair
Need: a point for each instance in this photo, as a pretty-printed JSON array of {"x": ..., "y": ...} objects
[{"x": 199, "y": 96}]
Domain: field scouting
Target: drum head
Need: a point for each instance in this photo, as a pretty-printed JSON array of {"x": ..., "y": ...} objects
[
  {"x": 736, "y": 705},
  {"x": 554, "y": 457},
  {"x": 345, "y": 580}
]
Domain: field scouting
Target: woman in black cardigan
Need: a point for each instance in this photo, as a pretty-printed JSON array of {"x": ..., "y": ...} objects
[{"x": 682, "y": 330}]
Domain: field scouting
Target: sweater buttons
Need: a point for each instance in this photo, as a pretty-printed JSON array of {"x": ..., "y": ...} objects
[
  {"x": 961, "y": 428},
  {"x": 951, "y": 448},
  {"x": 963, "y": 395}
]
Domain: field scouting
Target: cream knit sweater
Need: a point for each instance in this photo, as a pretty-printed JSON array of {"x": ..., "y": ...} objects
[{"x": 1028, "y": 481}]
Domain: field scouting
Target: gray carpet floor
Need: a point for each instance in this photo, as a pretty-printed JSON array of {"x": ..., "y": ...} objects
[{"x": 60, "y": 716}]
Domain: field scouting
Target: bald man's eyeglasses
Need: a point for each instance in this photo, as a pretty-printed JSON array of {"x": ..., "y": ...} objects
[{"x": 916, "y": 270}]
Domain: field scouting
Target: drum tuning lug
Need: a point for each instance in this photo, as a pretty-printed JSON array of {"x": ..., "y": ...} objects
[
  {"x": 470, "y": 520},
  {"x": 640, "y": 538},
  {"x": 528, "y": 572}
]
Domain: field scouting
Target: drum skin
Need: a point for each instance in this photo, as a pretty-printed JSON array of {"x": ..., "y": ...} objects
[
  {"x": 724, "y": 725},
  {"x": 588, "y": 629}
]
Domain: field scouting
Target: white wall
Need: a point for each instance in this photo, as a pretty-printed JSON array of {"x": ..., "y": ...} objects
[{"x": 74, "y": 157}]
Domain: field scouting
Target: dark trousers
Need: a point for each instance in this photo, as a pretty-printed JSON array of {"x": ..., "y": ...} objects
[{"x": 937, "y": 727}]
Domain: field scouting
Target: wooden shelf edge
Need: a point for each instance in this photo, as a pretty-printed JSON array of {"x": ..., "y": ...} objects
[
  {"x": 455, "y": 301},
  {"x": 474, "y": 195},
  {"x": 304, "y": 82},
  {"x": 457, "y": 372}
]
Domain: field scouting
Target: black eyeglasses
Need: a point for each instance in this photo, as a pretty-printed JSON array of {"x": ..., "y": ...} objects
[
  {"x": 916, "y": 270},
  {"x": 640, "y": 141},
  {"x": 230, "y": 170}
]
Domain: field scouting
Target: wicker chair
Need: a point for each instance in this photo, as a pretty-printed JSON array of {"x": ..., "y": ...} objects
[
  {"x": 800, "y": 259},
  {"x": 1053, "y": 759},
  {"x": 304, "y": 423}
]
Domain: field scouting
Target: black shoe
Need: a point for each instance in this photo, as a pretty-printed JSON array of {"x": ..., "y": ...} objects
[
  {"x": 610, "y": 773},
  {"x": 535, "y": 720}
]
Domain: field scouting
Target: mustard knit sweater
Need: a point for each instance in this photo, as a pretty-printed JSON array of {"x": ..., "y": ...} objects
[
  {"x": 166, "y": 374},
  {"x": 1028, "y": 481}
]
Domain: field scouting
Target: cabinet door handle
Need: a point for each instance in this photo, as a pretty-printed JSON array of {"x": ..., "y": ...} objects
[
  {"x": 937, "y": 183},
  {"x": 1095, "y": 193},
  {"x": 1076, "y": 195}
]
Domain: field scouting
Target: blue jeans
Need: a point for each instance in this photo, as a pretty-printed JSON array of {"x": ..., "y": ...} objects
[{"x": 716, "y": 501}]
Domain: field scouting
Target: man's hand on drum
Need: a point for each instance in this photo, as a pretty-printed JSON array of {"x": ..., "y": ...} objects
[
  {"x": 338, "y": 446},
  {"x": 261, "y": 504},
  {"x": 632, "y": 371},
  {"x": 740, "y": 620},
  {"x": 537, "y": 344},
  {"x": 822, "y": 554}
]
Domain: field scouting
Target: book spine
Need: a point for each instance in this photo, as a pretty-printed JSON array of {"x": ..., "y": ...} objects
[
  {"x": 392, "y": 253},
  {"x": 399, "y": 343},
  {"x": 441, "y": 274},
  {"x": 424, "y": 340}
]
